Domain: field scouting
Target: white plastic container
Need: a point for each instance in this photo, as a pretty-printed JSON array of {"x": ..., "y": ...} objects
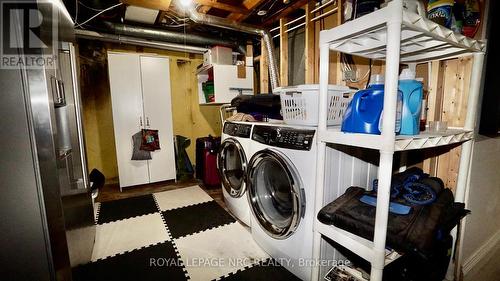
[{"x": 299, "y": 104}]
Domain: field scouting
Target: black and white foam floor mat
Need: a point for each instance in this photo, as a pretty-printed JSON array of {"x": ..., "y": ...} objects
[{"x": 181, "y": 234}]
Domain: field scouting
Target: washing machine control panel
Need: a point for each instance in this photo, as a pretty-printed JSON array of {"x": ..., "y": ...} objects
[
  {"x": 237, "y": 130},
  {"x": 284, "y": 137}
]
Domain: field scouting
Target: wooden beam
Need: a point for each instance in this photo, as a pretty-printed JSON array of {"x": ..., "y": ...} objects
[
  {"x": 249, "y": 57},
  {"x": 204, "y": 9},
  {"x": 283, "y": 52},
  {"x": 264, "y": 68},
  {"x": 309, "y": 44},
  {"x": 456, "y": 86},
  {"x": 160, "y": 17},
  {"x": 340, "y": 20},
  {"x": 223, "y": 6},
  {"x": 163, "y": 5},
  {"x": 285, "y": 12},
  {"x": 250, "y": 49},
  {"x": 434, "y": 105},
  {"x": 249, "y": 5}
]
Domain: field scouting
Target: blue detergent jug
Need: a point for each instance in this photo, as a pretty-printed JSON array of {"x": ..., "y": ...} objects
[
  {"x": 363, "y": 115},
  {"x": 412, "y": 102}
]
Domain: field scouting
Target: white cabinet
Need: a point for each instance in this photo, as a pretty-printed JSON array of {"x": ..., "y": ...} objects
[
  {"x": 141, "y": 99},
  {"x": 227, "y": 85}
]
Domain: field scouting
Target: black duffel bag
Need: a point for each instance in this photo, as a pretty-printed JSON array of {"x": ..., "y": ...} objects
[
  {"x": 417, "y": 232},
  {"x": 265, "y": 105}
]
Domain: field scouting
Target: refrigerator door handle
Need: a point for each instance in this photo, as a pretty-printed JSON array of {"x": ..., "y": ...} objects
[{"x": 79, "y": 118}]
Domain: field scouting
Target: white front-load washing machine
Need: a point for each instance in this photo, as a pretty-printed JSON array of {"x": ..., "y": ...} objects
[
  {"x": 232, "y": 162},
  {"x": 281, "y": 189}
]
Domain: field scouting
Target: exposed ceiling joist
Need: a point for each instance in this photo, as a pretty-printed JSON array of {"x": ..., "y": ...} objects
[
  {"x": 160, "y": 17},
  {"x": 285, "y": 12},
  {"x": 204, "y": 9},
  {"x": 150, "y": 4},
  {"x": 223, "y": 6},
  {"x": 249, "y": 5}
]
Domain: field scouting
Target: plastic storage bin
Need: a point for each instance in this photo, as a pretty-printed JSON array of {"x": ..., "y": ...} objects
[{"x": 299, "y": 104}]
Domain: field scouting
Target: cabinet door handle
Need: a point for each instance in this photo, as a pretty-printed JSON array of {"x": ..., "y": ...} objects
[
  {"x": 147, "y": 121},
  {"x": 140, "y": 121}
]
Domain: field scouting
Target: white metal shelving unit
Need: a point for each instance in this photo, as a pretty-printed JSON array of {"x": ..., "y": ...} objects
[{"x": 396, "y": 36}]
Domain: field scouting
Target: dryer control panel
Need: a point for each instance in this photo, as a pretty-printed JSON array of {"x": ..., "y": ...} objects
[
  {"x": 237, "y": 129},
  {"x": 284, "y": 137}
]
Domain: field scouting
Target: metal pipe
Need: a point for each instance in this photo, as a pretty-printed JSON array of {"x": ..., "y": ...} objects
[
  {"x": 92, "y": 35},
  {"x": 295, "y": 27},
  {"x": 274, "y": 29},
  {"x": 236, "y": 26},
  {"x": 291, "y": 29},
  {"x": 322, "y": 6},
  {"x": 295, "y": 20},
  {"x": 325, "y": 14},
  {"x": 166, "y": 35}
]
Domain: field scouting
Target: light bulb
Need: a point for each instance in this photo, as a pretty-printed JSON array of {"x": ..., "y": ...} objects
[{"x": 186, "y": 3}]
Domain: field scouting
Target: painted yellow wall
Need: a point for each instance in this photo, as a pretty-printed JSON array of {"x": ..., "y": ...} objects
[{"x": 189, "y": 118}]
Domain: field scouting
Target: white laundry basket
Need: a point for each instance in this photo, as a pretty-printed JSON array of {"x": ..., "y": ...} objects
[{"x": 299, "y": 104}]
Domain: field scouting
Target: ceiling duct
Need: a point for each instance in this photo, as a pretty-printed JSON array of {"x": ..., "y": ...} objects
[
  {"x": 169, "y": 36},
  {"x": 106, "y": 37},
  {"x": 237, "y": 26}
]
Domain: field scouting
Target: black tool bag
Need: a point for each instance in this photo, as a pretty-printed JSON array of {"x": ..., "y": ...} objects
[{"x": 416, "y": 232}]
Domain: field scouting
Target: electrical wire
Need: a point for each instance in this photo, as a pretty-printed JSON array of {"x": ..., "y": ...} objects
[
  {"x": 369, "y": 75},
  {"x": 348, "y": 65},
  {"x": 270, "y": 7},
  {"x": 174, "y": 23},
  {"x": 96, "y": 15},
  {"x": 76, "y": 10},
  {"x": 88, "y": 7}
]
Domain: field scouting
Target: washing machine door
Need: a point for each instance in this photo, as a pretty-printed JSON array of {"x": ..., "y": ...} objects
[
  {"x": 275, "y": 193},
  {"x": 232, "y": 166}
]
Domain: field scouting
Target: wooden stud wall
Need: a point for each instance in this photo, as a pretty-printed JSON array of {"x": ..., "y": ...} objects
[
  {"x": 309, "y": 46},
  {"x": 283, "y": 53},
  {"x": 264, "y": 68},
  {"x": 447, "y": 101},
  {"x": 446, "y": 84}
]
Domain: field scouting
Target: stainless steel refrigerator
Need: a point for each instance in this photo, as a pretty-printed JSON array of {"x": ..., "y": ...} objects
[{"x": 46, "y": 210}]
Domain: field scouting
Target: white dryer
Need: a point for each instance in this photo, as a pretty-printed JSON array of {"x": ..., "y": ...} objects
[
  {"x": 281, "y": 189},
  {"x": 232, "y": 162}
]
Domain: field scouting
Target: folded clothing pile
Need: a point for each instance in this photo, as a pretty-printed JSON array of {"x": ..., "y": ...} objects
[
  {"x": 419, "y": 231},
  {"x": 261, "y": 107}
]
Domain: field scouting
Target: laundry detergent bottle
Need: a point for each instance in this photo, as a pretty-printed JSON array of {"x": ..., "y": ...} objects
[
  {"x": 412, "y": 90},
  {"x": 364, "y": 113}
]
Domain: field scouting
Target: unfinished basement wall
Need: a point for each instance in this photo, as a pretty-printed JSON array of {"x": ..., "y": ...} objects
[
  {"x": 482, "y": 228},
  {"x": 189, "y": 118}
]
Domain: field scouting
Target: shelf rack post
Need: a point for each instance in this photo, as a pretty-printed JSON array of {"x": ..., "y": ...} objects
[
  {"x": 462, "y": 190},
  {"x": 324, "y": 65},
  {"x": 388, "y": 139},
  {"x": 470, "y": 124},
  {"x": 395, "y": 35}
]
